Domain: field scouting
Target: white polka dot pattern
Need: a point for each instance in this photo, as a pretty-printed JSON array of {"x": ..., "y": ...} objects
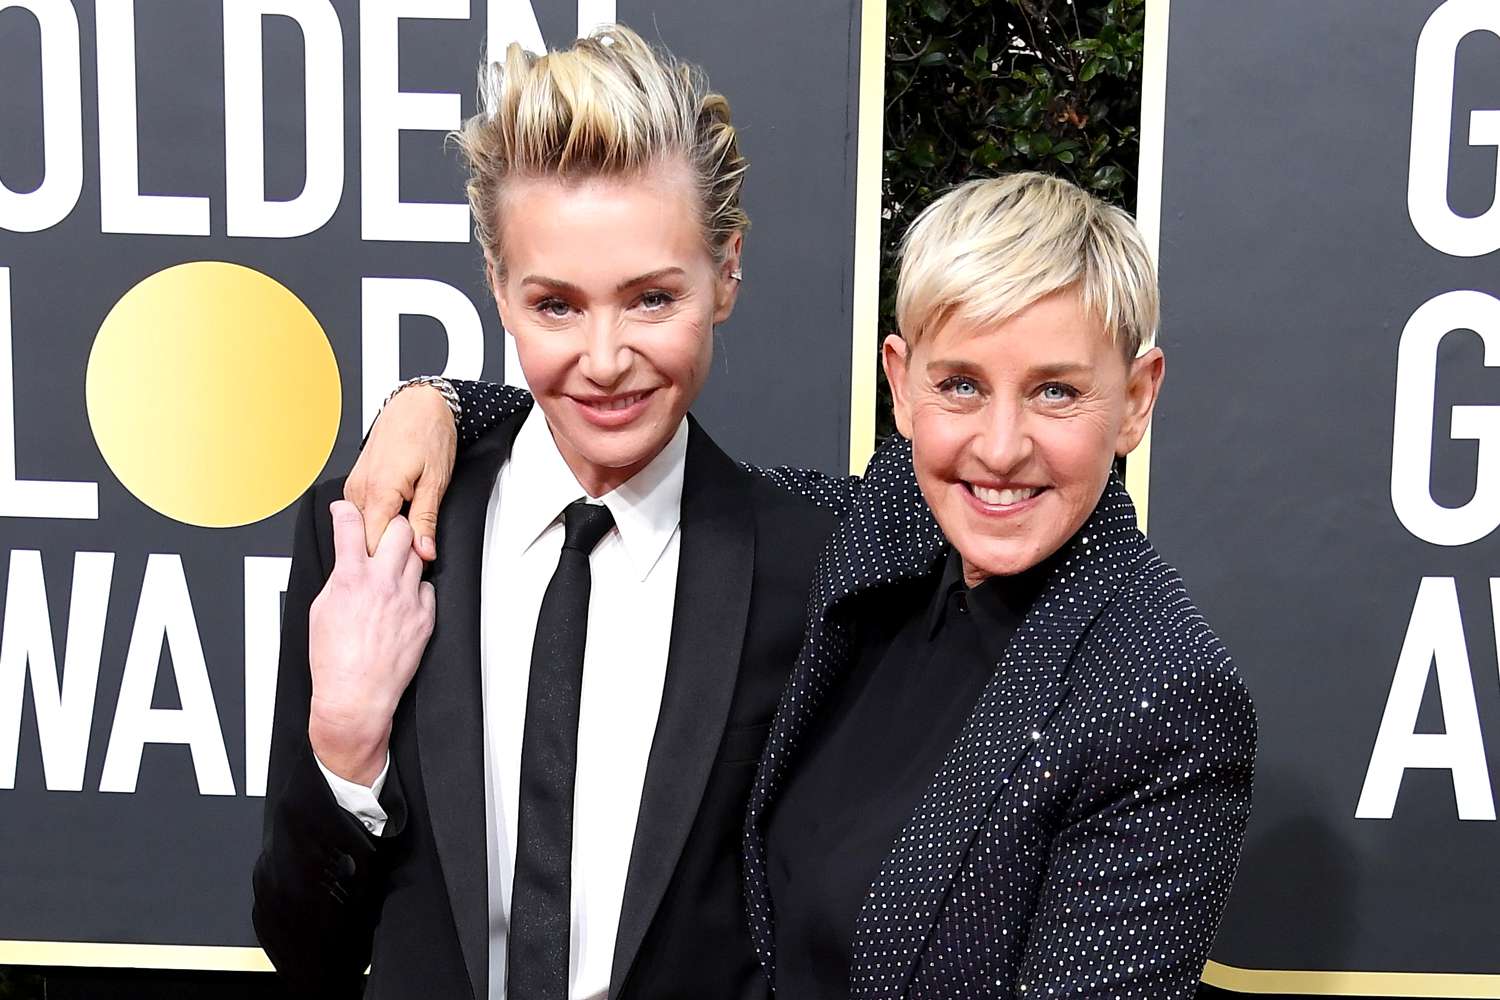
[
  {"x": 1081, "y": 835},
  {"x": 485, "y": 404},
  {"x": 1082, "y": 832}
]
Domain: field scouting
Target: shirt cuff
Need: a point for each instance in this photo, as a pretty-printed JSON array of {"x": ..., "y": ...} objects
[{"x": 360, "y": 802}]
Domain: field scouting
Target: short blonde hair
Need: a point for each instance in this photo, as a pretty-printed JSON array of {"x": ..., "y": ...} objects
[
  {"x": 989, "y": 248},
  {"x": 609, "y": 105}
]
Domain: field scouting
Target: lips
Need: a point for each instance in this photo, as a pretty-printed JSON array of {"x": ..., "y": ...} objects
[
  {"x": 614, "y": 411},
  {"x": 1008, "y": 496},
  {"x": 611, "y": 404}
]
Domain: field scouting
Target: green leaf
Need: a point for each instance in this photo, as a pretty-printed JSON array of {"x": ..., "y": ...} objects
[
  {"x": 935, "y": 58},
  {"x": 923, "y": 152},
  {"x": 936, "y": 9},
  {"x": 1090, "y": 69},
  {"x": 987, "y": 155},
  {"x": 1107, "y": 177}
]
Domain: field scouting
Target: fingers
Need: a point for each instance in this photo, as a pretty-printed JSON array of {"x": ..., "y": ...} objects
[
  {"x": 348, "y": 534},
  {"x": 411, "y": 573},
  {"x": 395, "y": 545},
  {"x": 424, "y": 512},
  {"x": 380, "y": 507},
  {"x": 428, "y": 597}
]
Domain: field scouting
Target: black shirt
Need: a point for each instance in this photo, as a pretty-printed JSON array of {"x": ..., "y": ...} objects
[{"x": 925, "y": 650}]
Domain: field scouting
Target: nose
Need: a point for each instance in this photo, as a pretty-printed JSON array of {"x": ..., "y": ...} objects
[
  {"x": 606, "y": 358},
  {"x": 1004, "y": 441}
]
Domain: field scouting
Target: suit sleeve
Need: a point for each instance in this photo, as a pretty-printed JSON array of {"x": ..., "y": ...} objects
[
  {"x": 833, "y": 493},
  {"x": 1138, "y": 878},
  {"x": 318, "y": 882},
  {"x": 486, "y": 404}
]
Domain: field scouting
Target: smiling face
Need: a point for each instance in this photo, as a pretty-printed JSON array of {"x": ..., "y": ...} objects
[
  {"x": 1014, "y": 428},
  {"x": 612, "y": 296}
]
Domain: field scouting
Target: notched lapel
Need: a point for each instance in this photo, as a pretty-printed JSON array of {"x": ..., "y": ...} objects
[
  {"x": 449, "y": 700},
  {"x": 906, "y": 900},
  {"x": 716, "y": 567}
]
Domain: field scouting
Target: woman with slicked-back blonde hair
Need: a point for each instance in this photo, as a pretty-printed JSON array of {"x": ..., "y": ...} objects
[
  {"x": 1012, "y": 759},
  {"x": 546, "y": 804}
]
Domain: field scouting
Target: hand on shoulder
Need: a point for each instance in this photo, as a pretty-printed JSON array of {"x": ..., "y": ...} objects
[{"x": 409, "y": 456}]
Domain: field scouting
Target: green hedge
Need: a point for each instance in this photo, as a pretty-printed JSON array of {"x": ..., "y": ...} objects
[{"x": 975, "y": 88}]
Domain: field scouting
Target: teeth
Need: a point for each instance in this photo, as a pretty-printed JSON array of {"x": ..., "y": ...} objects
[
  {"x": 621, "y": 403},
  {"x": 1003, "y": 498}
]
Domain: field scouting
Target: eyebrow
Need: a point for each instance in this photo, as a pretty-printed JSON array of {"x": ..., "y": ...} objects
[
  {"x": 1042, "y": 371},
  {"x": 567, "y": 286}
]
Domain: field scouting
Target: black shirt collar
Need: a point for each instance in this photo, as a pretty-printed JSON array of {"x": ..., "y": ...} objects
[{"x": 999, "y": 600}]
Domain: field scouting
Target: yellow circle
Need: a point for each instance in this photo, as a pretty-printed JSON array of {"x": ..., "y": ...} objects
[{"x": 213, "y": 394}]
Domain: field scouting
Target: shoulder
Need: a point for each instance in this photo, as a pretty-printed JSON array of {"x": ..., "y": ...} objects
[
  {"x": 1153, "y": 657},
  {"x": 785, "y": 518},
  {"x": 778, "y": 507},
  {"x": 790, "y": 532}
]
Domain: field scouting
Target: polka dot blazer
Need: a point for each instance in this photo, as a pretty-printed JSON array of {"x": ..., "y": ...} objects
[{"x": 1082, "y": 832}]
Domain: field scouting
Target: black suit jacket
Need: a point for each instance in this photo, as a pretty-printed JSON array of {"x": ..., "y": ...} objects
[
  {"x": 1082, "y": 832},
  {"x": 413, "y": 904}
]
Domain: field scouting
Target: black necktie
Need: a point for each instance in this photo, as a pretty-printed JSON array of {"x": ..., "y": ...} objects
[{"x": 537, "y": 945}]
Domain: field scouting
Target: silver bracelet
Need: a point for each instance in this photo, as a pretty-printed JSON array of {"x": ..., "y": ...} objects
[{"x": 442, "y": 385}]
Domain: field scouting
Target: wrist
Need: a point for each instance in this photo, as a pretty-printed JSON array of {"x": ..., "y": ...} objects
[
  {"x": 354, "y": 752},
  {"x": 436, "y": 386}
]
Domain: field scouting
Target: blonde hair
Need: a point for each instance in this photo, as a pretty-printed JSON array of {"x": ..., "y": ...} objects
[
  {"x": 989, "y": 248},
  {"x": 610, "y": 105}
]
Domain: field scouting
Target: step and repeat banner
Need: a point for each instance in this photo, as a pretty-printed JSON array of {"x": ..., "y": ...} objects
[
  {"x": 1325, "y": 466},
  {"x": 226, "y": 230}
]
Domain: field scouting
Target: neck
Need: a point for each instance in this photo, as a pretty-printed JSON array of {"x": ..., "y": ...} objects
[{"x": 598, "y": 480}]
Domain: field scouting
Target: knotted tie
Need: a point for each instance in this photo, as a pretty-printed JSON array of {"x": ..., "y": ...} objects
[{"x": 537, "y": 945}]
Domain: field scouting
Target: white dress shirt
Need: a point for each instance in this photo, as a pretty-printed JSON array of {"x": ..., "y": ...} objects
[{"x": 634, "y": 586}]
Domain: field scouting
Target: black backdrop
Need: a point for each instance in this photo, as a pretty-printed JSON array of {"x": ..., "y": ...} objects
[
  {"x": 1312, "y": 203},
  {"x": 163, "y": 857}
]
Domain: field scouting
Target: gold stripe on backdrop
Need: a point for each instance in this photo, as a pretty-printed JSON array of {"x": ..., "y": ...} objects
[
  {"x": 1449, "y": 986},
  {"x": 133, "y": 956},
  {"x": 1148, "y": 205},
  {"x": 870, "y": 142}
]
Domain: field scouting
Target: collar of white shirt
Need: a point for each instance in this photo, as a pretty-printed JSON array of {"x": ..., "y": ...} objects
[{"x": 647, "y": 508}]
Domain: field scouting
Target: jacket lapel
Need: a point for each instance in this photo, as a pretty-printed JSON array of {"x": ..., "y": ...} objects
[
  {"x": 716, "y": 565},
  {"x": 906, "y": 899},
  {"x": 449, "y": 700},
  {"x": 886, "y": 534}
]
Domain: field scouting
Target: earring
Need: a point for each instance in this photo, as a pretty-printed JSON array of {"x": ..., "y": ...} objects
[{"x": 737, "y": 274}]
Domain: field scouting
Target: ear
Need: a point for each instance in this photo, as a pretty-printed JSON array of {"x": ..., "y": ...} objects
[
  {"x": 726, "y": 285},
  {"x": 895, "y": 356},
  {"x": 1142, "y": 386}
]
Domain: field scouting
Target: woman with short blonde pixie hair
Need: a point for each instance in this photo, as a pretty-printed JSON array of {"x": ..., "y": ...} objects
[
  {"x": 1012, "y": 759},
  {"x": 991, "y": 247}
]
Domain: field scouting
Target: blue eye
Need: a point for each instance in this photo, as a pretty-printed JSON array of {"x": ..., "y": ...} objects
[
  {"x": 554, "y": 308},
  {"x": 656, "y": 299},
  {"x": 960, "y": 386},
  {"x": 1057, "y": 392}
]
